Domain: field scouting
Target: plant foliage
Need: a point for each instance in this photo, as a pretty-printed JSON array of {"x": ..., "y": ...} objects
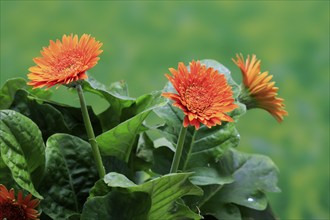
[{"x": 44, "y": 150}]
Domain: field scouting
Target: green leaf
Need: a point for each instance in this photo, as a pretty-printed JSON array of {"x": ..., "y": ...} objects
[
  {"x": 181, "y": 211},
  {"x": 118, "y": 180},
  {"x": 119, "y": 141},
  {"x": 11, "y": 86},
  {"x": 118, "y": 205},
  {"x": 7, "y": 178},
  {"x": 142, "y": 153},
  {"x": 203, "y": 146},
  {"x": 210, "y": 144},
  {"x": 164, "y": 191},
  {"x": 70, "y": 173},
  {"x": 210, "y": 175},
  {"x": 52, "y": 117},
  {"x": 223, "y": 211},
  {"x": 144, "y": 148},
  {"x": 253, "y": 174},
  {"x": 223, "y": 70},
  {"x": 22, "y": 149},
  {"x": 163, "y": 157},
  {"x": 74, "y": 121},
  {"x": 8, "y": 90},
  {"x": 116, "y": 95},
  {"x": 119, "y": 88},
  {"x": 99, "y": 189},
  {"x": 251, "y": 214}
]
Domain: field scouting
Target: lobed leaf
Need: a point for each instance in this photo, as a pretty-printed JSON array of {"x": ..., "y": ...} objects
[{"x": 254, "y": 175}]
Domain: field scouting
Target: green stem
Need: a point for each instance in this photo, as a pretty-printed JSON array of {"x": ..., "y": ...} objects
[
  {"x": 189, "y": 151},
  {"x": 178, "y": 152},
  {"x": 90, "y": 133}
]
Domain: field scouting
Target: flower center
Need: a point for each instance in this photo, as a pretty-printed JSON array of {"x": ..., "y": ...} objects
[
  {"x": 11, "y": 211},
  {"x": 197, "y": 99},
  {"x": 68, "y": 62}
]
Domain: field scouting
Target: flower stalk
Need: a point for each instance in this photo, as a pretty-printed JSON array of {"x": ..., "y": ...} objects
[
  {"x": 90, "y": 133},
  {"x": 189, "y": 150},
  {"x": 178, "y": 152}
]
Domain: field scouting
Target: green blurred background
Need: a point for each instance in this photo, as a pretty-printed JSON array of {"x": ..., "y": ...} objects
[{"x": 143, "y": 39}]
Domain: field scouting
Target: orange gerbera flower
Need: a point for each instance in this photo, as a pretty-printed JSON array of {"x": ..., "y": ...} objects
[
  {"x": 20, "y": 209},
  {"x": 203, "y": 95},
  {"x": 258, "y": 90},
  {"x": 65, "y": 62}
]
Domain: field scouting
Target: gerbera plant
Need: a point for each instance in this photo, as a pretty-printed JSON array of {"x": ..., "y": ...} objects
[
  {"x": 119, "y": 164},
  {"x": 66, "y": 63},
  {"x": 203, "y": 95}
]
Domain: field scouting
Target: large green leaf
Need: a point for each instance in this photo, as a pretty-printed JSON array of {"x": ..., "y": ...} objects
[
  {"x": 209, "y": 144},
  {"x": 210, "y": 175},
  {"x": 8, "y": 91},
  {"x": 99, "y": 189},
  {"x": 251, "y": 214},
  {"x": 7, "y": 178},
  {"x": 53, "y": 117},
  {"x": 116, "y": 95},
  {"x": 162, "y": 160},
  {"x": 254, "y": 175},
  {"x": 70, "y": 173},
  {"x": 142, "y": 153},
  {"x": 118, "y": 205},
  {"x": 119, "y": 140},
  {"x": 22, "y": 149},
  {"x": 164, "y": 191}
]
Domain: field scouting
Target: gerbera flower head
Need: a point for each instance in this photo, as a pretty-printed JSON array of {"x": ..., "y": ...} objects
[
  {"x": 202, "y": 94},
  {"x": 17, "y": 209},
  {"x": 65, "y": 61},
  {"x": 258, "y": 91}
]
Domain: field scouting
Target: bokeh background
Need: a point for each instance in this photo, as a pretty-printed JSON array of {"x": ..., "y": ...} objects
[{"x": 142, "y": 39}]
